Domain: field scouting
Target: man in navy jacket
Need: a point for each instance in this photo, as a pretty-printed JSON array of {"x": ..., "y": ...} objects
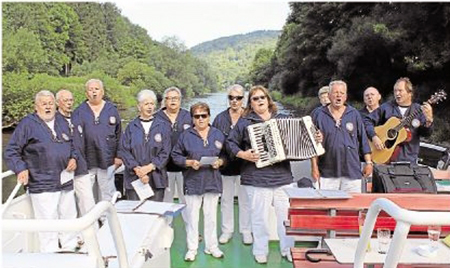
[
  {"x": 40, "y": 152},
  {"x": 100, "y": 121}
]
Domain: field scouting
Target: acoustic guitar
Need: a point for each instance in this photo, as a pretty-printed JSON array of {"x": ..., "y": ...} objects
[{"x": 395, "y": 131}]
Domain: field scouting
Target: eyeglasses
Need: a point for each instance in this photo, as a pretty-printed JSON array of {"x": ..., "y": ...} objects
[
  {"x": 172, "y": 98},
  {"x": 257, "y": 98},
  {"x": 198, "y": 116},
  {"x": 231, "y": 98}
]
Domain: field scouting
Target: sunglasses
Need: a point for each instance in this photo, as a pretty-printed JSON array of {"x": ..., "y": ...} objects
[
  {"x": 235, "y": 97},
  {"x": 257, "y": 98},
  {"x": 198, "y": 116}
]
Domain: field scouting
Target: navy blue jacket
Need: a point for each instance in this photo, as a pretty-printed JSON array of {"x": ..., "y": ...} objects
[
  {"x": 343, "y": 144},
  {"x": 183, "y": 122},
  {"x": 138, "y": 150},
  {"x": 408, "y": 151},
  {"x": 33, "y": 147},
  {"x": 232, "y": 165},
  {"x": 191, "y": 146},
  {"x": 101, "y": 138},
  {"x": 76, "y": 132},
  {"x": 278, "y": 174}
]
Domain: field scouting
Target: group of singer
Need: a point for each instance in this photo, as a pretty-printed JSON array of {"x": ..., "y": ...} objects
[{"x": 59, "y": 153}]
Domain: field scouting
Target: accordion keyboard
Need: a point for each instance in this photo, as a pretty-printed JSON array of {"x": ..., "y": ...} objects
[{"x": 279, "y": 139}]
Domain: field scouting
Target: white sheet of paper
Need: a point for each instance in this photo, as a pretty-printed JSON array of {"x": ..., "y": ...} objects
[
  {"x": 110, "y": 171},
  {"x": 66, "y": 176},
  {"x": 208, "y": 160},
  {"x": 144, "y": 191}
]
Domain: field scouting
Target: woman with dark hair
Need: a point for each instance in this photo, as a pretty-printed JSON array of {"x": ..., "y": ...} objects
[
  {"x": 202, "y": 181},
  {"x": 264, "y": 186}
]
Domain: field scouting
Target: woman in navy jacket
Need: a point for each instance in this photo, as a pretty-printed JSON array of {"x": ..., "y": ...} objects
[
  {"x": 231, "y": 171},
  {"x": 145, "y": 149},
  {"x": 264, "y": 186},
  {"x": 202, "y": 183}
]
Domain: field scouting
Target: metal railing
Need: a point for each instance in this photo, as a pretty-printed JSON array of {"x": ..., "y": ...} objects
[
  {"x": 405, "y": 218},
  {"x": 85, "y": 225}
]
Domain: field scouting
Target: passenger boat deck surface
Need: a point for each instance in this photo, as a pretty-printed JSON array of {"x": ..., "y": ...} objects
[{"x": 236, "y": 253}]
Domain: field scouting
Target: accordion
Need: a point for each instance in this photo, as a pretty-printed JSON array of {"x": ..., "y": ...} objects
[{"x": 284, "y": 139}]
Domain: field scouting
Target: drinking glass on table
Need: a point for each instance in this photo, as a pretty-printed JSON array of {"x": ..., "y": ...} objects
[
  {"x": 384, "y": 237},
  {"x": 434, "y": 231}
]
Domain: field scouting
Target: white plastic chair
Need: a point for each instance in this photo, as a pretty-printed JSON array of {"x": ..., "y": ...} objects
[{"x": 405, "y": 218}]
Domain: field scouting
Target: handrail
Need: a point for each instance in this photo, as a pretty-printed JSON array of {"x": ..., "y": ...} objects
[
  {"x": 6, "y": 174},
  {"x": 405, "y": 218},
  {"x": 84, "y": 224}
]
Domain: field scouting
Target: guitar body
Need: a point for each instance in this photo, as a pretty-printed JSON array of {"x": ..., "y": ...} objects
[{"x": 390, "y": 137}]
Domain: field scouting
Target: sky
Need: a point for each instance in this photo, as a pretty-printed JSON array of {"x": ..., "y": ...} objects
[{"x": 197, "y": 22}]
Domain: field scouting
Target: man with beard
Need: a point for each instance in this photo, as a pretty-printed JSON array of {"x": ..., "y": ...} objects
[
  {"x": 100, "y": 121},
  {"x": 344, "y": 139},
  {"x": 41, "y": 154}
]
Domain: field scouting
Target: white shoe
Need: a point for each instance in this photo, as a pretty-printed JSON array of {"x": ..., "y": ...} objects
[
  {"x": 190, "y": 255},
  {"x": 261, "y": 258},
  {"x": 216, "y": 252},
  {"x": 225, "y": 237},
  {"x": 247, "y": 238},
  {"x": 288, "y": 256}
]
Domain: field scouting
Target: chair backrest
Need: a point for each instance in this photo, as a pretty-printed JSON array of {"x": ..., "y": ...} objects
[{"x": 405, "y": 218}]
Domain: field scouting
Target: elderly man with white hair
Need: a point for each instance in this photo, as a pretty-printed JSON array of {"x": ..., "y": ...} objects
[
  {"x": 100, "y": 121},
  {"x": 82, "y": 181},
  {"x": 145, "y": 149},
  {"x": 42, "y": 155}
]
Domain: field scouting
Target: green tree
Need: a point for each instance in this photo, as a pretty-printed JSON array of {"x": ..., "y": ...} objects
[{"x": 22, "y": 52}]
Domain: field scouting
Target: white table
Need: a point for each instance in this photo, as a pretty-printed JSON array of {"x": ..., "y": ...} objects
[{"x": 344, "y": 252}]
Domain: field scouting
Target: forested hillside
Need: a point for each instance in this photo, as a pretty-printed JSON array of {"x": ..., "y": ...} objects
[
  {"x": 231, "y": 57},
  {"x": 365, "y": 44},
  {"x": 61, "y": 45}
]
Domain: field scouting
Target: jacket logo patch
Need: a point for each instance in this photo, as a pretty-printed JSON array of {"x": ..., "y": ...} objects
[
  {"x": 112, "y": 120},
  {"x": 349, "y": 126},
  {"x": 80, "y": 129},
  {"x": 158, "y": 137},
  {"x": 65, "y": 137},
  {"x": 218, "y": 145},
  {"x": 415, "y": 123},
  {"x": 186, "y": 126}
]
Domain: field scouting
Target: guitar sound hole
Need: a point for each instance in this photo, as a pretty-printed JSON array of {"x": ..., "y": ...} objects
[{"x": 392, "y": 134}]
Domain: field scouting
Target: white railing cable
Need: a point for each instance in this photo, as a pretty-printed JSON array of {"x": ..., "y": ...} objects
[
  {"x": 11, "y": 197},
  {"x": 405, "y": 218}
]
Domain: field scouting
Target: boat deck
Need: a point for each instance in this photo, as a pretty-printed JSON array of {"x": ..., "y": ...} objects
[{"x": 236, "y": 254}]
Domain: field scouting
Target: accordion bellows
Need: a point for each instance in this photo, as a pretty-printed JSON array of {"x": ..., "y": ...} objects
[{"x": 284, "y": 139}]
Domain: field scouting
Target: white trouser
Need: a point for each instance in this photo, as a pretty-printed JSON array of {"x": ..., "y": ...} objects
[
  {"x": 345, "y": 184},
  {"x": 175, "y": 183},
  {"x": 261, "y": 199},
  {"x": 193, "y": 204},
  {"x": 53, "y": 206},
  {"x": 106, "y": 185},
  {"x": 227, "y": 205},
  {"x": 83, "y": 190}
]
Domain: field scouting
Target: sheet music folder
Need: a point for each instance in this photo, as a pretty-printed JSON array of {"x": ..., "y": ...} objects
[
  {"x": 311, "y": 193},
  {"x": 149, "y": 207}
]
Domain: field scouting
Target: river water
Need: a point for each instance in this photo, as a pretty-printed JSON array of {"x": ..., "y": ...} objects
[{"x": 217, "y": 103}]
